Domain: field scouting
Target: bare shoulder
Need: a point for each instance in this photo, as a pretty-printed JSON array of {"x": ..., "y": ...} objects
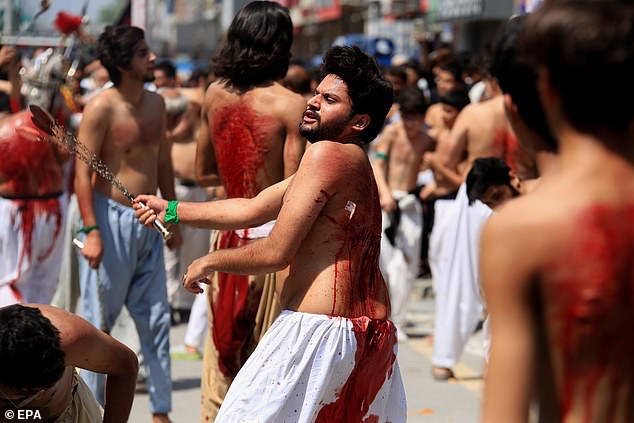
[
  {"x": 285, "y": 100},
  {"x": 154, "y": 100},
  {"x": 525, "y": 232},
  {"x": 328, "y": 156},
  {"x": 70, "y": 326},
  {"x": 103, "y": 103}
]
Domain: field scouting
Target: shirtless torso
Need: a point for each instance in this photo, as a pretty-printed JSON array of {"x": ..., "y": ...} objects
[
  {"x": 564, "y": 272},
  {"x": 254, "y": 137},
  {"x": 183, "y": 135}
]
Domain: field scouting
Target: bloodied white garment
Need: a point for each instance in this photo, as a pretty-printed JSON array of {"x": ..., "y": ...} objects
[
  {"x": 31, "y": 234},
  {"x": 317, "y": 368}
]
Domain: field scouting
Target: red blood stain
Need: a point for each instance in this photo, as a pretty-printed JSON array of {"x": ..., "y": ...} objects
[
  {"x": 374, "y": 361},
  {"x": 505, "y": 142},
  {"x": 358, "y": 284},
  {"x": 233, "y": 309},
  {"x": 239, "y": 139},
  {"x": 590, "y": 303},
  {"x": 29, "y": 168}
]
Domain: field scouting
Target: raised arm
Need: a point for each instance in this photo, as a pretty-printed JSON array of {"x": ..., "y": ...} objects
[
  {"x": 506, "y": 279},
  {"x": 305, "y": 198},
  {"x": 206, "y": 167},
  {"x": 88, "y": 348},
  {"x": 234, "y": 213}
]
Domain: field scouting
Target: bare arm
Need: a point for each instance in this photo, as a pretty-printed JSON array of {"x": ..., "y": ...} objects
[
  {"x": 457, "y": 142},
  {"x": 206, "y": 167},
  {"x": 234, "y": 213},
  {"x": 506, "y": 277},
  {"x": 379, "y": 167},
  {"x": 303, "y": 203},
  {"x": 165, "y": 171},
  {"x": 88, "y": 348},
  {"x": 185, "y": 127},
  {"x": 294, "y": 144},
  {"x": 92, "y": 132}
]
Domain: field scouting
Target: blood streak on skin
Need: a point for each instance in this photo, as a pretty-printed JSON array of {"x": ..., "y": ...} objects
[
  {"x": 361, "y": 286},
  {"x": 590, "y": 304},
  {"x": 29, "y": 168},
  {"x": 239, "y": 139},
  {"x": 508, "y": 146}
]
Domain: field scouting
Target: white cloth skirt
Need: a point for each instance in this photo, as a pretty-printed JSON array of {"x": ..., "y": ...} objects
[{"x": 317, "y": 368}]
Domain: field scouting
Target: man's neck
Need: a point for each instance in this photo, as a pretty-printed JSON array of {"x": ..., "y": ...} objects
[
  {"x": 576, "y": 147},
  {"x": 131, "y": 90}
]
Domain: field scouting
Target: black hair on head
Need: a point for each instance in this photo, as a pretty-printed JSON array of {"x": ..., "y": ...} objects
[
  {"x": 167, "y": 67},
  {"x": 456, "y": 98},
  {"x": 486, "y": 172},
  {"x": 31, "y": 357},
  {"x": 115, "y": 48},
  {"x": 258, "y": 46},
  {"x": 369, "y": 92},
  {"x": 411, "y": 101},
  {"x": 518, "y": 78},
  {"x": 587, "y": 48}
]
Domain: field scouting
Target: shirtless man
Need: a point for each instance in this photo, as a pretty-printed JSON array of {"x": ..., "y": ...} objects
[
  {"x": 448, "y": 78},
  {"x": 42, "y": 348},
  {"x": 251, "y": 121},
  {"x": 398, "y": 157},
  {"x": 330, "y": 355},
  {"x": 125, "y": 127},
  {"x": 182, "y": 124},
  {"x": 32, "y": 205},
  {"x": 557, "y": 264}
]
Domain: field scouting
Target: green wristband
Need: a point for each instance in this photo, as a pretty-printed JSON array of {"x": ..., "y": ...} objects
[
  {"x": 87, "y": 229},
  {"x": 170, "y": 214}
]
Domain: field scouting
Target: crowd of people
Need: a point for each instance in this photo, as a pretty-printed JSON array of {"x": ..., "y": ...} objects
[{"x": 301, "y": 207}]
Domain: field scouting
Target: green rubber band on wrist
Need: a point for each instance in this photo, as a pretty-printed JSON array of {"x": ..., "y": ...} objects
[
  {"x": 380, "y": 155},
  {"x": 87, "y": 229},
  {"x": 170, "y": 214}
]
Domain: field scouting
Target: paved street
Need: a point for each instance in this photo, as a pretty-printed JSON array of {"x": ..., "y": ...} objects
[{"x": 428, "y": 401}]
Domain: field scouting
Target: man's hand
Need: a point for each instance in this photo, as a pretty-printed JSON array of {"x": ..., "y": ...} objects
[
  {"x": 387, "y": 203},
  {"x": 427, "y": 191},
  {"x": 429, "y": 160},
  {"x": 153, "y": 207},
  {"x": 197, "y": 273},
  {"x": 93, "y": 249}
]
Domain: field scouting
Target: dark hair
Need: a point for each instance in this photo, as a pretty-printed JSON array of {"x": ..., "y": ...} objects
[
  {"x": 31, "y": 357},
  {"x": 456, "y": 98},
  {"x": 584, "y": 43},
  {"x": 399, "y": 72},
  {"x": 369, "y": 92},
  {"x": 411, "y": 101},
  {"x": 115, "y": 48},
  {"x": 485, "y": 173},
  {"x": 454, "y": 68},
  {"x": 518, "y": 78},
  {"x": 167, "y": 67},
  {"x": 258, "y": 46}
]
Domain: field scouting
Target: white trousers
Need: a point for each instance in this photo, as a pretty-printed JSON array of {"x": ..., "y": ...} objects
[
  {"x": 195, "y": 244},
  {"x": 317, "y": 368},
  {"x": 453, "y": 258},
  {"x": 400, "y": 262},
  {"x": 29, "y": 273}
]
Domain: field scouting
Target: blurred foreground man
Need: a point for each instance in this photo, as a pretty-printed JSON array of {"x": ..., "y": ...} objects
[{"x": 557, "y": 265}]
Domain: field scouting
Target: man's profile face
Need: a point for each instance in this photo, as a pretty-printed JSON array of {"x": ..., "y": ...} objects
[
  {"x": 445, "y": 82},
  {"x": 449, "y": 114},
  {"x": 160, "y": 79},
  {"x": 328, "y": 112},
  {"x": 142, "y": 63}
]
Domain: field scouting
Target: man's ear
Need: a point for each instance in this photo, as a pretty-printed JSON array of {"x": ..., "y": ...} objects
[{"x": 360, "y": 122}]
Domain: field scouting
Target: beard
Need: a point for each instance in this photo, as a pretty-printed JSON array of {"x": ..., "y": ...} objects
[{"x": 320, "y": 132}]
